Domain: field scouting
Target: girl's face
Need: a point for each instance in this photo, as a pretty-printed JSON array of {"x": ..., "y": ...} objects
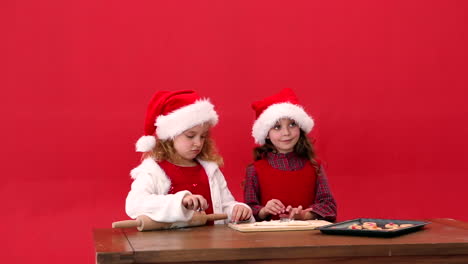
[
  {"x": 190, "y": 143},
  {"x": 284, "y": 135}
]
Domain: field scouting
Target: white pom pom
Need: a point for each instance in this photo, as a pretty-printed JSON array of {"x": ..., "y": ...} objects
[{"x": 145, "y": 143}]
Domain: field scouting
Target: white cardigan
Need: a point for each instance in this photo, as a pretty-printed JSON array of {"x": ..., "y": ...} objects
[{"x": 148, "y": 195}]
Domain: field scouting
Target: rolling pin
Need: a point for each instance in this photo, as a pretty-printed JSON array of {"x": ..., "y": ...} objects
[{"x": 144, "y": 223}]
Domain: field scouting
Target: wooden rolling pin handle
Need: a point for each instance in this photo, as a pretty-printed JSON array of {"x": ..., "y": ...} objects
[
  {"x": 126, "y": 224},
  {"x": 214, "y": 217}
]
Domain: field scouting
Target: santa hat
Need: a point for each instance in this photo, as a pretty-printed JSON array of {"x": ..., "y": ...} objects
[
  {"x": 171, "y": 113},
  {"x": 271, "y": 109}
]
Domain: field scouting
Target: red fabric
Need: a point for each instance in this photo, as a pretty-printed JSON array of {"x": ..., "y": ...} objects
[
  {"x": 285, "y": 95},
  {"x": 290, "y": 187},
  {"x": 324, "y": 205},
  {"x": 192, "y": 179}
]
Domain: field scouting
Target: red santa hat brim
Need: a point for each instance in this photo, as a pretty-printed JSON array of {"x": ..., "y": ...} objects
[{"x": 275, "y": 112}]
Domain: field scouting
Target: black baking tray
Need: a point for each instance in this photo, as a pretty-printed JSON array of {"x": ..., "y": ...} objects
[{"x": 342, "y": 227}]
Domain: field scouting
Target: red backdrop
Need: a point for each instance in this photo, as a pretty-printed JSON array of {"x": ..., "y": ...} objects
[{"x": 385, "y": 82}]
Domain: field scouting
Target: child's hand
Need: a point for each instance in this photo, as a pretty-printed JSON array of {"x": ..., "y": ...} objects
[
  {"x": 195, "y": 202},
  {"x": 298, "y": 213},
  {"x": 273, "y": 207},
  {"x": 240, "y": 213}
]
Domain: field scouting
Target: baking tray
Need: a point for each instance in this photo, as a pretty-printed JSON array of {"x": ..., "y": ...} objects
[{"x": 342, "y": 227}]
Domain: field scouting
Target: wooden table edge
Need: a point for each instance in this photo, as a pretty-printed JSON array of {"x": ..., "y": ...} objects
[
  {"x": 120, "y": 251},
  {"x": 450, "y": 222}
]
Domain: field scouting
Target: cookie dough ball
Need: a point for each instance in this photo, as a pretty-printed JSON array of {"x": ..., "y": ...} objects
[
  {"x": 355, "y": 226},
  {"x": 406, "y": 225},
  {"x": 392, "y": 226},
  {"x": 369, "y": 225}
]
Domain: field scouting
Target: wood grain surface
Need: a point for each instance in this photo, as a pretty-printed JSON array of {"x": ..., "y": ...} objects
[{"x": 442, "y": 241}]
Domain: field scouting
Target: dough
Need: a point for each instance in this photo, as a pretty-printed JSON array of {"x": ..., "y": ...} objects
[
  {"x": 355, "y": 226},
  {"x": 278, "y": 223},
  {"x": 405, "y": 225},
  {"x": 369, "y": 225},
  {"x": 392, "y": 226}
]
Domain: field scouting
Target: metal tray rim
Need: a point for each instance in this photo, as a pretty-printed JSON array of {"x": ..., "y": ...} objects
[{"x": 379, "y": 233}]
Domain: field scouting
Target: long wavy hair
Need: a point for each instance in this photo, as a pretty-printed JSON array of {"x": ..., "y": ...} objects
[
  {"x": 303, "y": 148},
  {"x": 164, "y": 150}
]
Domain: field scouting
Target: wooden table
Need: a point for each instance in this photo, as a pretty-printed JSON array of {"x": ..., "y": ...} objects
[{"x": 442, "y": 241}]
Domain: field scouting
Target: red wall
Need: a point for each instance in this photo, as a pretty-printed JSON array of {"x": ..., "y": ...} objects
[{"x": 385, "y": 81}]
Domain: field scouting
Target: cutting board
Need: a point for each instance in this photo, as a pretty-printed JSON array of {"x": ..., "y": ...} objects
[{"x": 276, "y": 225}]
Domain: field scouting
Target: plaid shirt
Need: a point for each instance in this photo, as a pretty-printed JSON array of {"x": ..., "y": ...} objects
[{"x": 324, "y": 206}]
